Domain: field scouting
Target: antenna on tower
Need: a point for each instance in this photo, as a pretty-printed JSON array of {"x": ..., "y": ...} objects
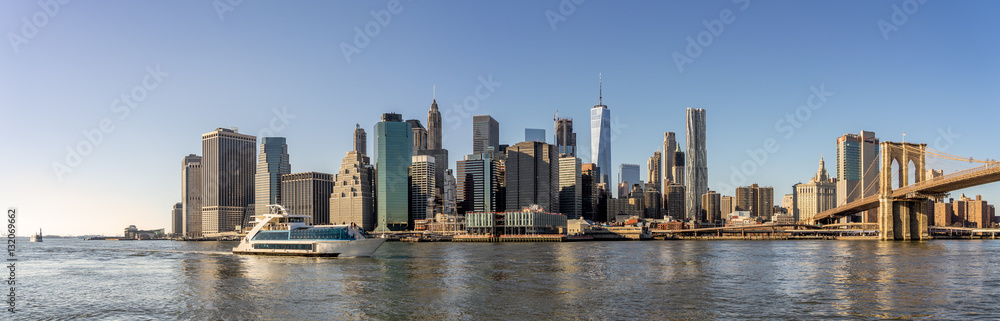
[
  {"x": 435, "y": 92},
  {"x": 600, "y": 89}
]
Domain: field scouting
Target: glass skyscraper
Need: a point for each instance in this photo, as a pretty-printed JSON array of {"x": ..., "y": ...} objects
[
  {"x": 272, "y": 162},
  {"x": 394, "y": 151},
  {"x": 485, "y": 133},
  {"x": 600, "y": 138}
]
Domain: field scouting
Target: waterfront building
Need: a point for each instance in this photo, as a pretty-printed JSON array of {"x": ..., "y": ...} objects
[
  {"x": 394, "y": 149},
  {"x": 422, "y": 188},
  {"x": 669, "y": 148},
  {"x": 857, "y": 169},
  {"x": 675, "y": 201},
  {"x": 589, "y": 192},
  {"x": 308, "y": 194},
  {"x": 711, "y": 204},
  {"x": 696, "y": 175},
  {"x": 351, "y": 200},
  {"x": 272, "y": 163},
  {"x": 479, "y": 183},
  {"x": 177, "y": 219},
  {"x": 570, "y": 187},
  {"x": 624, "y": 206},
  {"x": 653, "y": 171},
  {"x": 529, "y": 220},
  {"x": 600, "y": 136},
  {"x": 532, "y": 176},
  {"x": 191, "y": 195},
  {"x": 534, "y": 135},
  {"x": 818, "y": 195},
  {"x": 565, "y": 137},
  {"x": 727, "y": 205},
  {"x": 227, "y": 179},
  {"x": 485, "y": 133},
  {"x": 964, "y": 212},
  {"x": 759, "y": 201}
]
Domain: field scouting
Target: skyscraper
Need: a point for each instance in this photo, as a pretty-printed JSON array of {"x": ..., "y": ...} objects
[
  {"x": 570, "y": 187},
  {"x": 351, "y": 200},
  {"x": 394, "y": 140},
  {"x": 450, "y": 192},
  {"x": 696, "y": 176},
  {"x": 674, "y": 201},
  {"x": 478, "y": 183},
  {"x": 191, "y": 195},
  {"x": 422, "y": 188},
  {"x": 629, "y": 175},
  {"x": 679, "y": 167},
  {"x": 653, "y": 171},
  {"x": 565, "y": 137},
  {"x": 434, "y": 127},
  {"x": 600, "y": 137},
  {"x": 669, "y": 147},
  {"x": 419, "y": 135},
  {"x": 711, "y": 204},
  {"x": 227, "y": 179},
  {"x": 177, "y": 218},
  {"x": 485, "y": 133},
  {"x": 360, "y": 140},
  {"x": 534, "y": 135},
  {"x": 532, "y": 171},
  {"x": 756, "y": 199},
  {"x": 272, "y": 163},
  {"x": 308, "y": 194},
  {"x": 818, "y": 195},
  {"x": 590, "y": 192},
  {"x": 857, "y": 168}
]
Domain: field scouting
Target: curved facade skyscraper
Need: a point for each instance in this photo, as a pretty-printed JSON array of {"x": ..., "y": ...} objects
[
  {"x": 696, "y": 172},
  {"x": 600, "y": 138}
]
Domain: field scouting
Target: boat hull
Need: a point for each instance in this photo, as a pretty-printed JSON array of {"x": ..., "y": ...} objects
[{"x": 355, "y": 248}]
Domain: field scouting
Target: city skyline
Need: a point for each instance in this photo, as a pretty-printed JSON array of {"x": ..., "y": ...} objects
[{"x": 752, "y": 79}]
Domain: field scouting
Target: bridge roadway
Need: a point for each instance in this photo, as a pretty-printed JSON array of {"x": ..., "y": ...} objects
[{"x": 981, "y": 175}]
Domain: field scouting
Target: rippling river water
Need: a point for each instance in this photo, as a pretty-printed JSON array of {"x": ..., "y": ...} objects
[{"x": 71, "y": 278}]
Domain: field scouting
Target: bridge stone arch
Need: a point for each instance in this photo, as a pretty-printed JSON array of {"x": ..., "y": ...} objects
[{"x": 901, "y": 217}]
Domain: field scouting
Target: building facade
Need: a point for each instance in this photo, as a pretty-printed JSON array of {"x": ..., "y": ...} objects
[
  {"x": 308, "y": 194},
  {"x": 177, "y": 218},
  {"x": 628, "y": 174},
  {"x": 589, "y": 192},
  {"x": 565, "y": 137},
  {"x": 479, "y": 183},
  {"x": 351, "y": 200},
  {"x": 696, "y": 175},
  {"x": 757, "y": 200},
  {"x": 570, "y": 187},
  {"x": 272, "y": 163},
  {"x": 228, "y": 166},
  {"x": 653, "y": 166},
  {"x": 422, "y": 188},
  {"x": 191, "y": 195},
  {"x": 532, "y": 176},
  {"x": 818, "y": 195},
  {"x": 394, "y": 148},
  {"x": 434, "y": 127},
  {"x": 857, "y": 169},
  {"x": 675, "y": 201},
  {"x": 669, "y": 148},
  {"x": 600, "y": 138},
  {"x": 485, "y": 133},
  {"x": 711, "y": 204},
  {"x": 534, "y": 135},
  {"x": 360, "y": 140}
]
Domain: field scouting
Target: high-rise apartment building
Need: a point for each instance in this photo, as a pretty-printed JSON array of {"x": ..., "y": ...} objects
[
  {"x": 758, "y": 200},
  {"x": 534, "y": 135},
  {"x": 394, "y": 148},
  {"x": 570, "y": 187},
  {"x": 711, "y": 204},
  {"x": 308, "y": 194},
  {"x": 600, "y": 137},
  {"x": 818, "y": 195},
  {"x": 227, "y": 179},
  {"x": 422, "y": 188},
  {"x": 191, "y": 195},
  {"x": 696, "y": 176},
  {"x": 669, "y": 148},
  {"x": 727, "y": 205},
  {"x": 532, "y": 176},
  {"x": 272, "y": 163},
  {"x": 351, "y": 200},
  {"x": 565, "y": 137},
  {"x": 485, "y": 133}
]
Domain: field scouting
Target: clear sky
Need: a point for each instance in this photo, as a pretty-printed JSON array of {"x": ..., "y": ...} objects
[{"x": 187, "y": 67}]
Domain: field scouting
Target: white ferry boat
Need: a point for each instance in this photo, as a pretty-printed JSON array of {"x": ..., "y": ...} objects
[
  {"x": 36, "y": 237},
  {"x": 281, "y": 233}
]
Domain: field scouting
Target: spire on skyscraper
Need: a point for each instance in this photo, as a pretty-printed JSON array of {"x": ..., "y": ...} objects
[{"x": 600, "y": 89}]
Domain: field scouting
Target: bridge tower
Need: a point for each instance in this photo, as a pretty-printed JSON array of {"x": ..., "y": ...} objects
[{"x": 901, "y": 217}]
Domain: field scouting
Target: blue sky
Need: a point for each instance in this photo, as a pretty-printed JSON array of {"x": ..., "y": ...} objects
[{"x": 935, "y": 76}]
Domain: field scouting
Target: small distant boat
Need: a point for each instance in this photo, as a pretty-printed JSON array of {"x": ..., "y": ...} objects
[
  {"x": 281, "y": 233},
  {"x": 37, "y": 237}
]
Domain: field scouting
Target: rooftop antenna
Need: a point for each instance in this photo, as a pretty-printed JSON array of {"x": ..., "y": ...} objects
[{"x": 600, "y": 89}]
